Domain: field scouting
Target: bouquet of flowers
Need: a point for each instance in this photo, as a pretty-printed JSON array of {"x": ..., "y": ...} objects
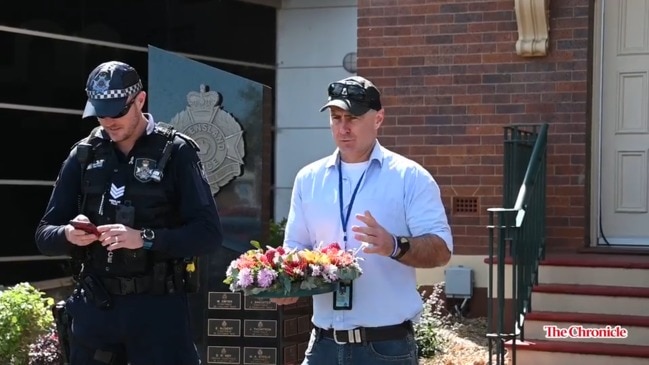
[{"x": 277, "y": 272}]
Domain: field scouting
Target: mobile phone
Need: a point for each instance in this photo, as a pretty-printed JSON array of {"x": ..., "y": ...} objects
[{"x": 85, "y": 226}]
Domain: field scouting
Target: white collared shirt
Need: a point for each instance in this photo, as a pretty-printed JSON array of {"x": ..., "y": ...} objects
[{"x": 402, "y": 196}]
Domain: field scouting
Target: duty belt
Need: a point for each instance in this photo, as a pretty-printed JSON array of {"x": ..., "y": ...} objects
[
  {"x": 367, "y": 334},
  {"x": 125, "y": 286}
]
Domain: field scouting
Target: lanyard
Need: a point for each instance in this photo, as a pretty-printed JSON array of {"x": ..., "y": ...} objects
[{"x": 344, "y": 218}]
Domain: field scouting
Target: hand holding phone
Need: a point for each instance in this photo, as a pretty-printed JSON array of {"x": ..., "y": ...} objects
[{"x": 85, "y": 226}]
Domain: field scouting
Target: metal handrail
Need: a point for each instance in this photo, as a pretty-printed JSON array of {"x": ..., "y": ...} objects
[{"x": 522, "y": 229}]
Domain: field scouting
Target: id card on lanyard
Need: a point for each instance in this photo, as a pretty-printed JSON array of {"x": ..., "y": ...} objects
[{"x": 343, "y": 293}]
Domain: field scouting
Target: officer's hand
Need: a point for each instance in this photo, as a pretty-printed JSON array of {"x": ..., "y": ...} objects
[
  {"x": 284, "y": 301},
  {"x": 79, "y": 237},
  {"x": 116, "y": 236},
  {"x": 377, "y": 238}
]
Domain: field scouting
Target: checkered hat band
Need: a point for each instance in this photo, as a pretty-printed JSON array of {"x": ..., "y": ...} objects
[{"x": 115, "y": 94}]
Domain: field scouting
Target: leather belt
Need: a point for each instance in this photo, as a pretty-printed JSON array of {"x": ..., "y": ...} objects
[{"x": 367, "y": 334}]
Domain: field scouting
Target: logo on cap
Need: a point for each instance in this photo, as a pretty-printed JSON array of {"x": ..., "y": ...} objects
[{"x": 101, "y": 82}]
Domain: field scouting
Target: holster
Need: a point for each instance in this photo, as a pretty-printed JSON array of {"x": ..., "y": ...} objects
[
  {"x": 63, "y": 324},
  {"x": 95, "y": 291}
]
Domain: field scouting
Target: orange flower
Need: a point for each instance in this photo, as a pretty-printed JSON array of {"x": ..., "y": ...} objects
[{"x": 246, "y": 262}]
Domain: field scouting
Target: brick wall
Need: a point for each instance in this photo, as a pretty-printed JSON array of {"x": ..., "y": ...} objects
[{"x": 451, "y": 79}]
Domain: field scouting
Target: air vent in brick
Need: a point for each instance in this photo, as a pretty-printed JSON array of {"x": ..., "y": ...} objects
[{"x": 465, "y": 205}]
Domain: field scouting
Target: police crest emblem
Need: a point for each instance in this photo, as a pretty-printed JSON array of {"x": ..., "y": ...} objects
[
  {"x": 217, "y": 133},
  {"x": 101, "y": 82},
  {"x": 143, "y": 169}
]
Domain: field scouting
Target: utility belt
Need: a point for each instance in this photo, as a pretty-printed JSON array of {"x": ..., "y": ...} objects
[
  {"x": 126, "y": 286},
  {"x": 165, "y": 278},
  {"x": 363, "y": 335}
]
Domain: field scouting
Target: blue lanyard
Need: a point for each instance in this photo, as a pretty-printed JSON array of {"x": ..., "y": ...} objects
[{"x": 344, "y": 218}]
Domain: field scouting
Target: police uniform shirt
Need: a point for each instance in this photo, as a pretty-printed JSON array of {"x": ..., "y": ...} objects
[{"x": 200, "y": 233}]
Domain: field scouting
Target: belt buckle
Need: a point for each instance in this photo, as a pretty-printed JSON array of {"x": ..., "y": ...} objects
[{"x": 353, "y": 336}]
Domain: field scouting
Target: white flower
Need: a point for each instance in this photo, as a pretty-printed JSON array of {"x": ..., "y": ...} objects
[
  {"x": 330, "y": 273},
  {"x": 316, "y": 270}
]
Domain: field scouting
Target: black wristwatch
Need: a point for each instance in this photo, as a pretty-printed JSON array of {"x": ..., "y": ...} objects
[
  {"x": 403, "y": 243},
  {"x": 148, "y": 235}
]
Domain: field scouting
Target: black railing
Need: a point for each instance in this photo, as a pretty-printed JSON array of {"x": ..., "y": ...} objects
[{"x": 517, "y": 237}]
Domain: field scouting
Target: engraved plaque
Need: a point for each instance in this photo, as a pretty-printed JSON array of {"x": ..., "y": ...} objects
[
  {"x": 259, "y": 328},
  {"x": 224, "y": 300},
  {"x": 290, "y": 354},
  {"x": 303, "y": 324},
  {"x": 224, "y": 327},
  {"x": 259, "y": 356},
  {"x": 259, "y": 304},
  {"x": 223, "y": 355},
  {"x": 301, "y": 350},
  {"x": 290, "y": 327}
]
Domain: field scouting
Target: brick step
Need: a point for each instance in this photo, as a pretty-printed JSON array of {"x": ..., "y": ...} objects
[
  {"x": 539, "y": 352},
  {"x": 608, "y": 261},
  {"x": 599, "y": 299},
  {"x": 588, "y": 275},
  {"x": 636, "y": 327}
]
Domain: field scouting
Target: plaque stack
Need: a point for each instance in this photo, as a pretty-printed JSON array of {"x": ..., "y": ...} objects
[{"x": 246, "y": 330}]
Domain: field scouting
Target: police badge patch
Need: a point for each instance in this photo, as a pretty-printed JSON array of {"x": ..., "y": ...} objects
[{"x": 144, "y": 168}]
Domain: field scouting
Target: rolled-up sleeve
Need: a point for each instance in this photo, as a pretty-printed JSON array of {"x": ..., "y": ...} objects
[{"x": 425, "y": 213}]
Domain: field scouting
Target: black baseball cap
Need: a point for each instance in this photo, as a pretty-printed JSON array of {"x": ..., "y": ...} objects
[
  {"x": 109, "y": 87},
  {"x": 355, "y": 94}
]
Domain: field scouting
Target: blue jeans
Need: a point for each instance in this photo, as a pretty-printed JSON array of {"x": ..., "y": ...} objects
[{"x": 325, "y": 351}]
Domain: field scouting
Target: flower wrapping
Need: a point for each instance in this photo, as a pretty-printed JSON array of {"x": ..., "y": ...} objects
[{"x": 278, "y": 272}]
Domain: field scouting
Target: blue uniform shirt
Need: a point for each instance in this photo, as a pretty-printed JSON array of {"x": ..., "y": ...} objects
[{"x": 200, "y": 234}]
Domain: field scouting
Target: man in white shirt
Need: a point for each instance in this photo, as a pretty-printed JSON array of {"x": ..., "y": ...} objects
[{"x": 367, "y": 198}]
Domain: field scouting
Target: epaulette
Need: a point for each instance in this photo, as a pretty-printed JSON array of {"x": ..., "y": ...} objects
[
  {"x": 164, "y": 129},
  {"x": 189, "y": 140},
  {"x": 86, "y": 147},
  {"x": 169, "y": 131},
  {"x": 89, "y": 139}
]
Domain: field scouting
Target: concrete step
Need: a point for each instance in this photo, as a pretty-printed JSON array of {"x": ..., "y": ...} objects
[
  {"x": 539, "y": 352},
  {"x": 620, "y": 329},
  {"x": 600, "y": 299},
  {"x": 595, "y": 270}
]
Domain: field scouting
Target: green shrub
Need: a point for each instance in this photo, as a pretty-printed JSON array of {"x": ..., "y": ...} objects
[
  {"x": 427, "y": 331},
  {"x": 276, "y": 233},
  {"x": 25, "y": 315}
]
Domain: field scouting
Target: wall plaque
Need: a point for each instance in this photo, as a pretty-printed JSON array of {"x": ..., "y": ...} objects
[
  {"x": 223, "y": 355},
  {"x": 224, "y": 327},
  {"x": 290, "y": 327},
  {"x": 259, "y": 356},
  {"x": 224, "y": 300},
  {"x": 259, "y": 304},
  {"x": 290, "y": 354},
  {"x": 304, "y": 324},
  {"x": 301, "y": 349},
  {"x": 259, "y": 328}
]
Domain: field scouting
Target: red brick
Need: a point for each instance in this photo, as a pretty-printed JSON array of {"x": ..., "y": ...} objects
[{"x": 425, "y": 58}]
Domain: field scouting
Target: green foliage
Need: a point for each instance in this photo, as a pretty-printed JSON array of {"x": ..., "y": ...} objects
[
  {"x": 25, "y": 315},
  {"x": 276, "y": 236},
  {"x": 427, "y": 331}
]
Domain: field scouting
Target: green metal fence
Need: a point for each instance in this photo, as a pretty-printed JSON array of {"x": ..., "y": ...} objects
[{"x": 516, "y": 236}]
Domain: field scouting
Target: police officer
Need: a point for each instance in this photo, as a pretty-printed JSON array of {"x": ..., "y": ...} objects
[{"x": 142, "y": 185}]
